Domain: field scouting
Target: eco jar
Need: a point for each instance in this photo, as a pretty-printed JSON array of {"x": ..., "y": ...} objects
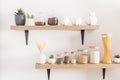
[
  {"x": 73, "y": 57},
  {"x": 94, "y": 54},
  {"x": 66, "y": 58},
  {"x": 82, "y": 56},
  {"x": 60, "y": 59}
]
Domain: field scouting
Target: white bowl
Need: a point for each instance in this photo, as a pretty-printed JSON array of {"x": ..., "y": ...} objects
[
  {"x": 116, "y": 60},
  {"x": 51, "y": 61}
]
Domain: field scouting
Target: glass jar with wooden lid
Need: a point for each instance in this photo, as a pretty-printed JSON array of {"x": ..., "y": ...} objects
[
  {"x": 94, "y": 54},
  {"x": 82, "y": 56}
]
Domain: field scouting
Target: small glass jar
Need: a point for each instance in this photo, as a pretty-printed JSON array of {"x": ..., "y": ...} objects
[
  {"x": 73, "y": 57},
  {"x": 52, "y": 18},
  {"x": 66, "y": 58},
  {"x": 60, "y": 59},
  {"x": 40, "y": 19},
  {"x": 82, "y": 56},
  {"x": 94, "y": 54}
]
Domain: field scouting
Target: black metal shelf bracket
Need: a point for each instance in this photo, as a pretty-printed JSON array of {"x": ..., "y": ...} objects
[
  {"x": 48, "y": 74},
  {"x": 82, "y": 36},
  {"x": 104, "y": 72},
  {"x": 26, "y": 36}
]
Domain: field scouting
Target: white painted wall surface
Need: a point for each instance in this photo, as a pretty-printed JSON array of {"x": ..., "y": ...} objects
[{"x": 17, "y": 61}]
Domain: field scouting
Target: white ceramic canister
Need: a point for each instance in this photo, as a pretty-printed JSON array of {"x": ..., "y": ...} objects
[
  {"x": 41, "y": 59},
  {"x": 94, "y": 55}
]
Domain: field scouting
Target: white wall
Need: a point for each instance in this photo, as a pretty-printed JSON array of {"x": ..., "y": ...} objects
[{"x": 17, "y": 61}]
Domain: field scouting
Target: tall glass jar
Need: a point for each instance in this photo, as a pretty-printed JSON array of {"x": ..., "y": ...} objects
[
  {"x": 66, "y": 58},
  {"x": 73, "y": 57},
  {"x": 94, "y": 54},
  {"x": 82, "y": 56},
  {"x": 107, "y": 59}
]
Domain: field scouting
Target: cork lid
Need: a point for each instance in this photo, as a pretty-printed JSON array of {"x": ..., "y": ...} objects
[
  {"x": 66, "y": 53},
  {"x": 73, "y": 52},
  {"x": 94, "y": 47},
  {"x": 105, "y": 35},
  {"x": 82, "y": 50},
  {"x": 60, "y": 55}
]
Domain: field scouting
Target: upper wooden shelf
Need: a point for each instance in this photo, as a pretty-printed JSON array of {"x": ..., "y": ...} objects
[
  {"x": 75, "y": 66},
  {"x": 82, "y": 27}
]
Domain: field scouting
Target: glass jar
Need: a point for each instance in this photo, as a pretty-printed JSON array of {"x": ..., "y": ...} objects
[
  {"x": 66, "y": 58},
  {"x": 60, "y": 59},
  {"x": 52, "y": 18},
  {"x": 94, "y": 54},
  {"x": 82, "y": 56},
  {"x": 73, "y": 57},
  {"x": 107, "y": 59},
  {"x": 40, "y": 19}
]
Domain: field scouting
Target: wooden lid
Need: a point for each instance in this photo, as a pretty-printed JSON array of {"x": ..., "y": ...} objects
[
  {"x": 94, "y": 47},
  {"x": 82, "y": 50}
]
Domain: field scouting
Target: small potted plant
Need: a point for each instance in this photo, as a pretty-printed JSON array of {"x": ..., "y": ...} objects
[
  {"x": 51, "y": 59},
  {"x": 30, "y": 20},
  {"x": 117, "y": 58},
  {"x": 20, "y": 17}
]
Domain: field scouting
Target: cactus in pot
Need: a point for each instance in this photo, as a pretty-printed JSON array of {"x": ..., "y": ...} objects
[
  {"x": 117, "y": 58},
  {"x": 20, "y": 18},
  {"x": 51, "y": 59},
  {"x": 30, "y": 20}
]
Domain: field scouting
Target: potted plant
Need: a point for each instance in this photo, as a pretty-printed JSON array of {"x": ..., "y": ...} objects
[
  {"x": 117, "y": 58},
  {"x": 30, "y": 20},
  {"x": 20, "y": 17},
  {"x": 51, "y": 59}
]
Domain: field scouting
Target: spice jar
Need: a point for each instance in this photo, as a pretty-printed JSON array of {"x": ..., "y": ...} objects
[
  {"x": 82, "y": 56},
  {"x": 94, "y": 54},
  {"x": 40, "y": 19},
  {"x": 73, "y": 57},
  {"x": 53, "y": 21},
  {"x": 60, "y": 59},
  {"x": 66, "y": 58}
]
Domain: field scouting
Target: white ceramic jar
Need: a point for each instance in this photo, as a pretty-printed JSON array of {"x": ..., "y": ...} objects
[
  {"x": 42, "y": 59},
  {"x": 94, "y": 55}
]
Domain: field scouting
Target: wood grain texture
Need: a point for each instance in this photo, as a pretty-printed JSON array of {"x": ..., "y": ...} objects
[
  {"x": 86, "y": 27},
  {"x": 75, "y": 66}
]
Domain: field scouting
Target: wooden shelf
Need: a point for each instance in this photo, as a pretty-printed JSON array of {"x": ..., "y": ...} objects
[
  {"x": 85, "y": 27},
  {"x": 76, "y": 66}
]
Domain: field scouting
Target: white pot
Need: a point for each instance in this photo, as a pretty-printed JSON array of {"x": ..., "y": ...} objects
[
  {"x": 30, "y": 22},
  {"x": 66, "y": 22},
  {"x": 51, "y": 61},
  {"x": 41, "y": 59},
  {"x": 78, "y": 21},
  {"x": 116, "y": 60}
]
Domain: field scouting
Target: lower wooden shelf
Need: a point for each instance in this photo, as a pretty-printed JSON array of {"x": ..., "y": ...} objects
[{"x": 75, "y": 66}]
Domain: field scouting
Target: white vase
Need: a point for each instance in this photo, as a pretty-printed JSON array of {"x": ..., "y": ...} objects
[
  {"x": 51, "y": 61},
  {"x": 30, "y": 22},
  {"x": 41, "y": 59},
  {"x": 93, "y": 18},
  {"x": 66, "y": 22},
  {"x": 78, "y": 22},
  {"x": 116, "y": 60}
]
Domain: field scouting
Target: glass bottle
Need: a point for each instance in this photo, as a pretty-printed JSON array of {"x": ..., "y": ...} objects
[
  {"x": 94, "y": 54},
  {"x": 107, "y": 59}
]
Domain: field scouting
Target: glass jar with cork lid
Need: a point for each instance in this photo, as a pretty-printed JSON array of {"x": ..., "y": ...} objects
[
  {"x": 73, "y": 57},
  {"x": 66, "y": 58},
  {"x": 60, "y": 59},
  {"x": 94, "y": 54},
  {"x": 82, "y": 56}
]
